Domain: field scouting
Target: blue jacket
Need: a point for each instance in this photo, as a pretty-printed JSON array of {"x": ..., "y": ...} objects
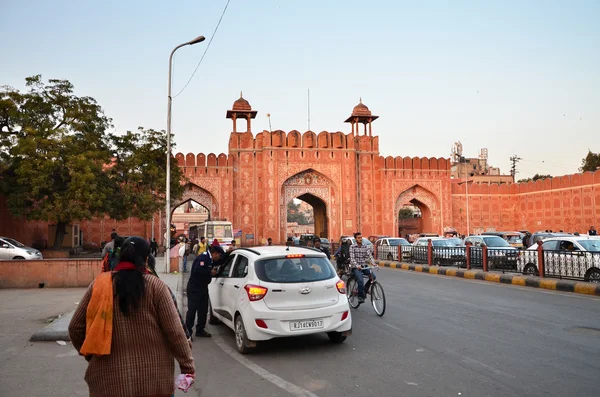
[{"x": 200, "y": 275}]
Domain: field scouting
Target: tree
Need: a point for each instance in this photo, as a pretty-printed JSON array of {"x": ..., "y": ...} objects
[
  {"x": 534, "y": 178},
  {"x": 591, "y": 162},
  {"x": 58, "y": 163},
  {"x": 53, "y": 146},
  {"x": 405, "y": 213},
  {"x": 138, "y": 172},
  {"x": 295, "y": 215}
]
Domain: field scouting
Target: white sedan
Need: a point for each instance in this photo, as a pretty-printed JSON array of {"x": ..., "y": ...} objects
[{"x": 270, "y": 292}]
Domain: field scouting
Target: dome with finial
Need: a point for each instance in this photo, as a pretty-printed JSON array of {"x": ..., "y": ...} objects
[
  {"x": 241, "y": 105},
  {"x": 361, "y": 109}
]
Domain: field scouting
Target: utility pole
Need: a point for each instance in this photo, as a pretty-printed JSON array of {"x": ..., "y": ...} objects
[{"x": 513, "y": 168}]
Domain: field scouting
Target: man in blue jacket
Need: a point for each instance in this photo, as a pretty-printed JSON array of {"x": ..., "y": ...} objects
[{"x": 203, "y": 269}]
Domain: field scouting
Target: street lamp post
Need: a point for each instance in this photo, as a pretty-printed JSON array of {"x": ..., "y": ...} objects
[{"x": 197, "y": 40}]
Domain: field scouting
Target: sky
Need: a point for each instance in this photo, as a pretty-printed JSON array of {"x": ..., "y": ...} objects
[{"x": 516, "y": 77}]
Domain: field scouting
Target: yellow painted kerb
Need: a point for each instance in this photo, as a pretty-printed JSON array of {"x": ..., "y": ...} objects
[
  {"x": 585, "y": 288},
  {"x": 450, "y": 272},
  {"x": 547, "y": 284},
  {"x": 492, "y": 277},
  {"x": 471, "y": 274},
  {"x": 518, "y": 280}
]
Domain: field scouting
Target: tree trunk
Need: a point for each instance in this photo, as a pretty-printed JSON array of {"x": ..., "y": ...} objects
[{"x": 61, "y": 231}]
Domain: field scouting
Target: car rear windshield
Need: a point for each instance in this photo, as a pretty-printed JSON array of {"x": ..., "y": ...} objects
[
  {"x": 514, "y": 239},
  {"x": 494, "y": 241},
  {"x": 398, "y": 241},
  {"x": 294, "y": 270}
]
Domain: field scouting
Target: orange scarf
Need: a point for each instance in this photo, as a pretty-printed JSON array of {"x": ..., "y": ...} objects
[{"x": 99, "y": 318}]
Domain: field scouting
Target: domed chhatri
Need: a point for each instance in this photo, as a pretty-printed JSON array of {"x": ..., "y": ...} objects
[
  {"x": 361, "y": 110},
  {"x": 241, "y": 109},
  {"x": 241, "y": 105},
  {"x": 361, "y": 115}
]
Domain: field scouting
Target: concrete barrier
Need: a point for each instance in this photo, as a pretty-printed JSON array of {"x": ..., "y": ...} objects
[{"x": 49, "y": 273}]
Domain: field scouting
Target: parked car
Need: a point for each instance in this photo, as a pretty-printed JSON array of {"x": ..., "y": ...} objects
[
  {"x": 373, "y": 239},
  {"x": 364, "y": 240},
  {"x": 565, "y": 256},
  {"x": 500, "y": 253},
  {"x": 514, "y": 239},
  {"x": 271, "y": 292},
  {"x": 539, "y": 236},
  {"x": 12, "y": 249},
  {"x": 446, "y": 251},
  {"x": 305, "y": 238},
  {"x": 387, "y": 248},
  {"x": 325, "y": 243}
]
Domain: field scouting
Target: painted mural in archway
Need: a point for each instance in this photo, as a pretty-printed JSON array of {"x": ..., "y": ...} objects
[
  {"x": 426, "y": 201},
  {"x": 314, "y": 188}
]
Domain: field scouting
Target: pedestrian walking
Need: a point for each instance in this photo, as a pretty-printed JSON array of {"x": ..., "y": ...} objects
[
  {"x": 197, "y": 289},
  {"x": 183, "y": 254},
  {"x": 154, "y": 247},
  {"x": 215, "y": 243},
  {"x": 127, "y": 328}
]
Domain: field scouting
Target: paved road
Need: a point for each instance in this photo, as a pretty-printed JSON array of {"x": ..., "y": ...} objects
[{"x": 440, "y": 336}]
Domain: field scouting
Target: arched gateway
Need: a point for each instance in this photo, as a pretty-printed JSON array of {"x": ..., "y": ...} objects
[
  {"x": 342, "y": 176},
  {"x": 314, "y": 189}
]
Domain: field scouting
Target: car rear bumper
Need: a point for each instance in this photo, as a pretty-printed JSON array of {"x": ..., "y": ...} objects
[{"x": 278, "y": 323}]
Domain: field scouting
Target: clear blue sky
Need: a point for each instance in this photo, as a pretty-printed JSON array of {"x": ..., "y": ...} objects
[{"x": 516, "y": 77}]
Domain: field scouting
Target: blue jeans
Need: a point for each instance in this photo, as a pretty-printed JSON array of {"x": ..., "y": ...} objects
[{"x": 358, "y": 274}]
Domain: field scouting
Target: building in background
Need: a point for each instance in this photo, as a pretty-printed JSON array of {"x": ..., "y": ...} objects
[{"x": 475, "y": 169}]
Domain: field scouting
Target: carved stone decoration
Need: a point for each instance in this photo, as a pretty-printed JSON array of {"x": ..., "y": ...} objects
[
  {"x": 200, "y": 196},
  {"x": 424, "y": 196}
]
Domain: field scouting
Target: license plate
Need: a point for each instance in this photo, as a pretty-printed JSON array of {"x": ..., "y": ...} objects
[{"x": 306, "y": 324}]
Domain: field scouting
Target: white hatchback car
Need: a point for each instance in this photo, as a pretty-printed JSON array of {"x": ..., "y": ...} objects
[{"x": 270, "y": 292}]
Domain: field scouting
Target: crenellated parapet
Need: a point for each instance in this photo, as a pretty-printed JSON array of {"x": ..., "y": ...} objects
[
  {"x": 558, "y": 183},
  {"x": 408, "y": 167},
  {"x": 197, "y": 165},
  {"x": 324, "y": 140}
]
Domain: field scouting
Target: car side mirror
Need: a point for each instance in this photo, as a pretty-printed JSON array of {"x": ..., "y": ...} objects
[{"x": 5, "y": 246}]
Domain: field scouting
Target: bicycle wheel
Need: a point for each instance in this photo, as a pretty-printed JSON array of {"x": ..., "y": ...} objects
[
  {"x": 352, "y": 292},
  {"x": 378, "y": 298}
]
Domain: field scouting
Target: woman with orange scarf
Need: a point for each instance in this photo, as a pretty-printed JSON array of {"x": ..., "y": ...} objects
[{"x": 129, "y": 330}]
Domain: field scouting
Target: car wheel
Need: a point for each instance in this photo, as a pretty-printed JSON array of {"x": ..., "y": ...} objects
[
  {"x": 241, "y": 339},
  {"x": 18, "y": 258},
  {"x": 211, "y": 316},
  {"x": 530, "y": 270},
  {"x": 437, "y": 262},
  {"x": 336, "y": 337},
  {"x": 593, "y": 275}
]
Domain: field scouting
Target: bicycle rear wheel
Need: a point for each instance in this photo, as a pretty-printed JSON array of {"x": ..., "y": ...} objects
[
  {"x": 352, "y": 292},
  {"x": 378, "y": 298}
]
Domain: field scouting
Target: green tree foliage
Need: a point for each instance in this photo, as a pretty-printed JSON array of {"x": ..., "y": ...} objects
[
  {"x": 138, "y": 173},
  {"x": 591, "y": 162},
  {"x": 534, "y": 178},
  {"x": 59, "y": 164},
  {"x": 295, "y": 215},
  {"x": 405, "y": 213}
]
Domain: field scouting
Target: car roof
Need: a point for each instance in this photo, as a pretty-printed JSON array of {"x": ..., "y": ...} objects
[
  {"x": 572, "y": 238},
  {"x": 431, "y": 238},
  {"x": 278, "y": 251}
]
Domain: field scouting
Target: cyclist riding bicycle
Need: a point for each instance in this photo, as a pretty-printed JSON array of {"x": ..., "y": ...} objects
[{"x": 361, "y": 256}]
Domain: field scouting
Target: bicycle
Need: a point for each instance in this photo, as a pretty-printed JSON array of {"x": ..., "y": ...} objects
[{"x": 375, "y": 290}]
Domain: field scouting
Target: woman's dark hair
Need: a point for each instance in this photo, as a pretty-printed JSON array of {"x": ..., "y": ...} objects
[
  {"x": 119, "y": 241},
  {"x": 129, "y": 284}
]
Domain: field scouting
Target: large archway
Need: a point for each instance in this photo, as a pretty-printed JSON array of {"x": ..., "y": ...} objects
[
  {"x": 426, "y": 208},
  {"x": 314, "y": 189}
]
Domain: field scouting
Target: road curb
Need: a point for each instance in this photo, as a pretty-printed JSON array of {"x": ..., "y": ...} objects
[
  {"x": 57, "y": 330},
  {"x": 577, "y": 287}
]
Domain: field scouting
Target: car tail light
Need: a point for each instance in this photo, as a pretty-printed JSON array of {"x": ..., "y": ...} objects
[
  {"x": 255, "y": 292},
  {"x": 261, "y": 324},
  {"x": 341, "y": 286},
  {"x": 294, "y": 256},
  {"x": 345, "y": 315}
]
